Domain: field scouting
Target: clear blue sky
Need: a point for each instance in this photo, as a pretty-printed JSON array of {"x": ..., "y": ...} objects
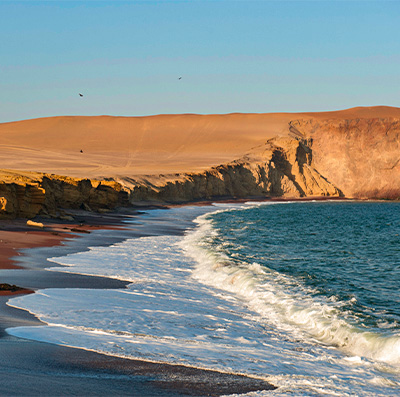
[{"x": 125, "y": 57}]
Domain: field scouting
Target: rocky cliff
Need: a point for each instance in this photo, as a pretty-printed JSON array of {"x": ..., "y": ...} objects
[
  {"x": 27, "y": 194},
  {"x": 357, "y": 157},
  {"x": 360, "y": 156},
  {"x": 281, "y": 168}
]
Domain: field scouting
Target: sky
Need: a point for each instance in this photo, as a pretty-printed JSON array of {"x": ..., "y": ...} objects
[{"x": 135, "y": 58}]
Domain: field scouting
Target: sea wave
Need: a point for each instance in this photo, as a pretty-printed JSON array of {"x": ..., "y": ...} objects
[{"x": 284, "y": 301}]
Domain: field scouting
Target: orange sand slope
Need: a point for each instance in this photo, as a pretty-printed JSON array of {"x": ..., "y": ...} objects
[{"x": 149, "y": 145}]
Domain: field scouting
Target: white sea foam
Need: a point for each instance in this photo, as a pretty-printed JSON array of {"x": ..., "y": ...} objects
[
  {"x": 280, "y": 299},
  {"x": 241, "y": 319}
]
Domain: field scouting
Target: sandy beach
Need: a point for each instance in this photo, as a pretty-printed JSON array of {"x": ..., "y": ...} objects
[{"x": 35, "y": 368}]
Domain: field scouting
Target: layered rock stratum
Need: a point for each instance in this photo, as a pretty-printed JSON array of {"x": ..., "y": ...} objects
[{"x": 101, "y": 162}]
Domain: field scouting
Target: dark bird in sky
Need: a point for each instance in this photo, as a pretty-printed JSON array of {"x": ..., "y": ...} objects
[
  {"x": 80, "y": 94},
  {"x": 180, "y": 78}
]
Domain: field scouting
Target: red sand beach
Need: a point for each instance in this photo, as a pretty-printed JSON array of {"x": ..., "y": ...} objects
[{"x": 35, "y": 368}]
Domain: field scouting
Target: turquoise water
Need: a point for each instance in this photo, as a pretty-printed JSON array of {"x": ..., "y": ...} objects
[{"x": 346, "y": 252}]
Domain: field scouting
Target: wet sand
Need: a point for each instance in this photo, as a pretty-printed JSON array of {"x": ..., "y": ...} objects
[{"x": 35, "y": 368}]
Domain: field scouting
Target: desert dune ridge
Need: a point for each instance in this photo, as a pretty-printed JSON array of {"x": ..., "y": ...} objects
[
  {"x": 148, "y": 145},
  {"x": 100, "y": 162}
]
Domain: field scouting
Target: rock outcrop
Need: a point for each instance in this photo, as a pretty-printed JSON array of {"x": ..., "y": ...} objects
[
  {"x": 280, "y": 168},
  {"x": 337, "y": 154},
  {"x": 283, "y": 167},
  {"x": 28, "y": 194},
  {"x": 361, "y": 156}
]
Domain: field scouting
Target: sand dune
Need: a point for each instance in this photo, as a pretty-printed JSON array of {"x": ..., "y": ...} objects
[
  {"x": 361, "y": 112},
  {"x": 133, "y": 145},
  {"x": 146, "y": 145}
]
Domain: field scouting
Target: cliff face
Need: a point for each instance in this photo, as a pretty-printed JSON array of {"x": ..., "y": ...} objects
[
  {"x": 280, "y": 168},
  {"x": 283, "y": 167},
  {"x": 29, "y": 194},
  {"x": 312, "y": 155},
  {"x": 361, "y": 156},
  {"x": 20, "y": 200}
]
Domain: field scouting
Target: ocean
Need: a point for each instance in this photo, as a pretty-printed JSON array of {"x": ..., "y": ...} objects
[{"x": 302, "y": 294}]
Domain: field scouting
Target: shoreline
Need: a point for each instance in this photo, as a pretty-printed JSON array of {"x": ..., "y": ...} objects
[{"x": 107, "y": 374}]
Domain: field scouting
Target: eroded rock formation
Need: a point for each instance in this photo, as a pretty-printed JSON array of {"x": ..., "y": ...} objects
[
  {"x": 309, "y": 156},
  {"x": 280, "y": 168},
  {"x": 29, "y": 194},
  {"x": 361, "y": 156}
]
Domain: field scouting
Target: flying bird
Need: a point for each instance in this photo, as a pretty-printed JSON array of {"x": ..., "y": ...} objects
[
  {"x": 80, "y": 94},
  {"x": 180, "y": 78}
]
